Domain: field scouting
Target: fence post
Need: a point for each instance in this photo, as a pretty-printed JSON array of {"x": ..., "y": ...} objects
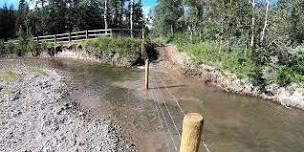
[
  {"x": 87, "y": 34},
  {"x": 192, "y": 128},
  {"x": 70, "y": 37},
  {"x": 147, "y": 74},
  {"x": 37, "y": 39},
  {"x": 55, "y": 39}
]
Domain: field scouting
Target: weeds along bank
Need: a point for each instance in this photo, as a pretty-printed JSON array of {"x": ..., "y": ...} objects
[
  {"x": 235, "y": 68},
  {"x": 118, "y": 51}
]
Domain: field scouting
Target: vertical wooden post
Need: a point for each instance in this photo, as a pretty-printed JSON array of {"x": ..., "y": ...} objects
[
  {"x": 147, "y": 74},
  {"x": 37, "y": 39},
  {"x": 70, "y": 39},
  {"x": 192, "y": 128},
  {"x": 87, "y": 34},
  {"x": 55, "y": 39}
]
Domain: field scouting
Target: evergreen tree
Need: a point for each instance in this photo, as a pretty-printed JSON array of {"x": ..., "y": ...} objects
[
  {"x": 22, "y": 14},
  {"x": 8, "y": 21}
]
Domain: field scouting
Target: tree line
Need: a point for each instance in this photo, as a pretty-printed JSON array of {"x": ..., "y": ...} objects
[
  {"x": 261, "y": 39},
  {"x": 257, "y": 22},
  {"x": 59, "y": 16}
]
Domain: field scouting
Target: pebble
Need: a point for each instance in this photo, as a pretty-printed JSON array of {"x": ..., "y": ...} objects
[{"x": 47, "y": 120}]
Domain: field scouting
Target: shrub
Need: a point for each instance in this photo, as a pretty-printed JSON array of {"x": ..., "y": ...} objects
[
  {"x": 127, "y": 47},
  {"x": 34, "y": 47},
  {"x": 2, "y": 47},
  {"x": 10, "y": 48},
  {"x": 256, "y": 77},
  {"x": 283, "y": 76}
]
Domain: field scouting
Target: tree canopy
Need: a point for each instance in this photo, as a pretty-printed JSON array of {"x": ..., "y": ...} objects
[{"x": 58, "y": 16}]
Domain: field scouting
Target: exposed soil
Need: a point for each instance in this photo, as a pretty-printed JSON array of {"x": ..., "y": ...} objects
[
  {"x": 290, "y": 96},
  {"x": 36, "y": 115}
]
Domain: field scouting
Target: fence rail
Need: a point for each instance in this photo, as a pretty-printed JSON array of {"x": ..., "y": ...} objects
[{"x": 78, "y": 35}]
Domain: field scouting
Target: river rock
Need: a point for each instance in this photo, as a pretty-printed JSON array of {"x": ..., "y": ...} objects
[{"x": 35, "y": 117}]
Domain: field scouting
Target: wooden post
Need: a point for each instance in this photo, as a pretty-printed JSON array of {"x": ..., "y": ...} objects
[
  {"x": 87, "y": 34},
  {"x": 55, "y": 39},
  {"x": 192, "y": 127},
  {"x": 38, "y": 39},
  {"x": 147, "y": 74},
  {"x": 70, "y": 39}
]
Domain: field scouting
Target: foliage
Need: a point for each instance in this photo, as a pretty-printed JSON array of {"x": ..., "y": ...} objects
[
  {"x": 168, "y": 12},
  {"x": 7, "y": 24},
  {"x": 60, "y": 16},
  {"x": 2, "y": 47},
  {"x": 214, "y": 33},
  {"x": 125, "y": 46},
  {"x": 10, "y": 48},
  {"x": 34, "y": 47},
  {"x": 283, "y": 76}
]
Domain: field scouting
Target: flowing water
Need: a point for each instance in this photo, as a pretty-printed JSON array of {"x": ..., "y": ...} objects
[{"x": 153, "y": 119}]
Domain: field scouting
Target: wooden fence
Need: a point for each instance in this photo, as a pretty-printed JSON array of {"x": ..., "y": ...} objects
[{"x": 79, "y": 35}]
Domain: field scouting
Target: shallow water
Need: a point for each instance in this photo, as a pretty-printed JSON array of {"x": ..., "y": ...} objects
[{"x": 232, "y": 123}]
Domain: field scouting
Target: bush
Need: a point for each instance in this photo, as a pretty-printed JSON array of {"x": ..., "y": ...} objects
[
  {"x": 129, "y": 48},
  {"x": 283, "y": 76},
  {"x": 34, "y": 47},
  {"x": 256, "y": 77},
  {"x": 10, "y": 48},
  {"x": 2, "y": 48}
]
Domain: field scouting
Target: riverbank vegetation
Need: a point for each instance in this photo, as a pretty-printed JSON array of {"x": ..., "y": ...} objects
[
  {"x": 127, "y": 47},
  {"x": 23, "y": 47},
  {"x": 259, "y": 41}
]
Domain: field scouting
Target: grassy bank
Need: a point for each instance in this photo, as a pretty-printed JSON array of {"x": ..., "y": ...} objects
[
  {"x": 129, "y": 48},
  {"x": 23, "y": 47},
  {"x": 275, "y": 66}
]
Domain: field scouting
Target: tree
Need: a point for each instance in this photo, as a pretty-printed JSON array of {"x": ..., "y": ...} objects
[
  {"x": 8, "y": 21},
  {"x": 138, "y": 17},
  {"x": 253, "y": 24},
  {"x": 131, "y": 16},
  {"x": 167, "y": 14},
  {"x": 266, "y": 20},
  {"x": 22, "y": 13}
]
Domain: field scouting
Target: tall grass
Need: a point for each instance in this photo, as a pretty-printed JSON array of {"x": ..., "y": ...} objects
[
  {"x": 238, "y": 59},
  {"x": 127, "y": 47}
]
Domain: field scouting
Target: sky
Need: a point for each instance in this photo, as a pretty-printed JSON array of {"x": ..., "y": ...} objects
[{"x": 147, "y": 4}]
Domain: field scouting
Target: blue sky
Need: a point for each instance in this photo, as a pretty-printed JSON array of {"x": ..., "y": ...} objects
[{"x": 147, "y": 3}]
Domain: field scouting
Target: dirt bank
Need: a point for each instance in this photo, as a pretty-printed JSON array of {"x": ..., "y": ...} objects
[
  {"x": 36, "y": 115},
  {"x": 291, "y": 96},
  {"x": 81, "y": 52}
]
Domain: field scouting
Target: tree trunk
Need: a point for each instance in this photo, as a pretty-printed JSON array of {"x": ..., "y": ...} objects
[
  {"x": 171, "y": 29},
  {"x": 131, "y": 16},
  {"x": 191, "y": 32},
  {"x": 105, "y": 15},
  {"x": 266, "y": 21},
  {"x": 253, "y": 24}
]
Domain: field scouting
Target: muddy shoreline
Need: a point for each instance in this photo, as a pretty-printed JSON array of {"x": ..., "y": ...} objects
[
  {"x": 290, "y": 96},
  {"x": 36, "y": 115}
]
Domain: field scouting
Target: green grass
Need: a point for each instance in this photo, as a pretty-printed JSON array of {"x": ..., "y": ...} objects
[
  {"x": 8, "y": 75},
  {"x": 237, "y": 59},
  {"x": 37, "y": 71},
  {"x": 127, "y": 47}
]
